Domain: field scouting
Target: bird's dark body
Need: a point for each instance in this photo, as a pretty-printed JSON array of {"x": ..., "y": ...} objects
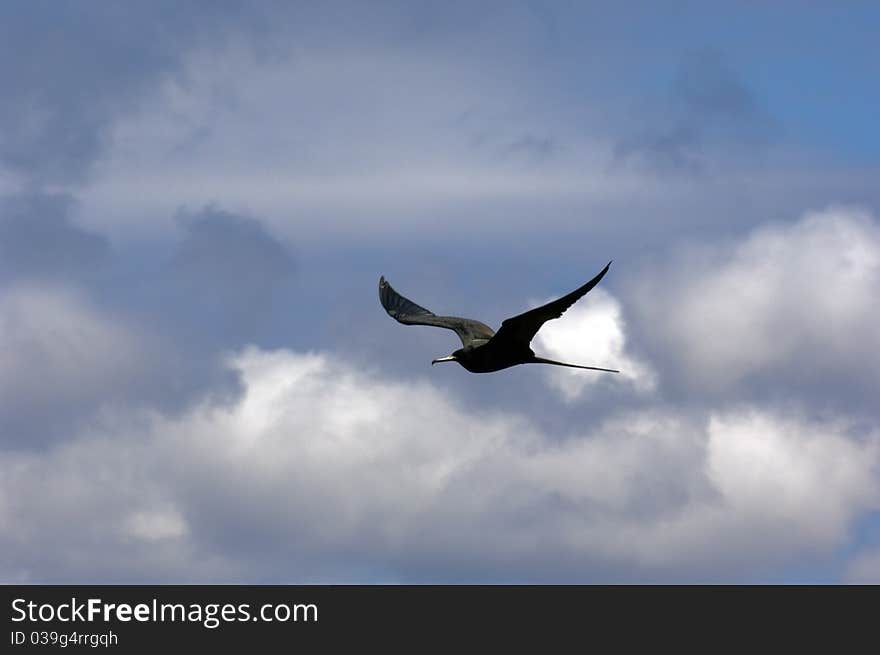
[
  {"x": 484, "y": 350},
  {"x": 488, "y": 358}
]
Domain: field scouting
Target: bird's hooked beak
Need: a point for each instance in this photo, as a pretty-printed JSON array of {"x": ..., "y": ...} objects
[{"x": 448, "y": 358}]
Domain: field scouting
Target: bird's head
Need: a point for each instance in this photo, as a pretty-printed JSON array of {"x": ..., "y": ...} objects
[{"x": 449, "y": 358}]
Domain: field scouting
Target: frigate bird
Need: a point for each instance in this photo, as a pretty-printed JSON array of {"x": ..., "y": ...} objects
[{"x": 484, "y": 350}]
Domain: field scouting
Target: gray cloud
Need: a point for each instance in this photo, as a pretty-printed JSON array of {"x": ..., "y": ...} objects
[
  {"x": 84, "y": 326},
  {"x": 223, "y": 275},
  {"x": 711, "y": 109},
  {"x": 707, "y": 86},
  {"x": 38, "y": 240},
  {"x": 69, "y": 69},
  {"x": 532, "y": 147},
  {"x": 864, "y": 569}
]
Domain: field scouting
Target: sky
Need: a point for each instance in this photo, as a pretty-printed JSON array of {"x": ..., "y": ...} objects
[{"x": 199, "y": 385}]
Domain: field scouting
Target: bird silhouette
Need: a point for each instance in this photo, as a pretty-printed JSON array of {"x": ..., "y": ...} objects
[{"x": 484, "y": 350}]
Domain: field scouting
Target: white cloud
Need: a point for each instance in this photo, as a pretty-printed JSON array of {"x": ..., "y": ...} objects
[
  {"x": 775, "y": 471},
  {"x": 796, "y": 301},
  {"x": 321, "y": 471},
  {"x": 592, "y": 333}
]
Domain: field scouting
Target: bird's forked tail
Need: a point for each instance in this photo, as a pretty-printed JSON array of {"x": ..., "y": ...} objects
[{"x": 542, "y": 360}]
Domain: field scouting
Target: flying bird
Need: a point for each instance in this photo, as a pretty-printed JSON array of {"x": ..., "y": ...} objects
[{"x": 484, "y": 350}]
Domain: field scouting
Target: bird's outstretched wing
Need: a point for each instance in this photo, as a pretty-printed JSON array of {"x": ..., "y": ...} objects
[
  {"x": 522, "y": 329},
  {"x": 407, "y": 312}
]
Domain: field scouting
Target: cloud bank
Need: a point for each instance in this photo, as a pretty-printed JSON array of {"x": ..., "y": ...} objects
[
  {"x": 320, "y": 472},
  {"x": 791, "y": 302}
]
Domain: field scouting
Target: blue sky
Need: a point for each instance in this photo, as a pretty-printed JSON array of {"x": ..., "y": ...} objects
[{"x": 198, "y": 384}]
